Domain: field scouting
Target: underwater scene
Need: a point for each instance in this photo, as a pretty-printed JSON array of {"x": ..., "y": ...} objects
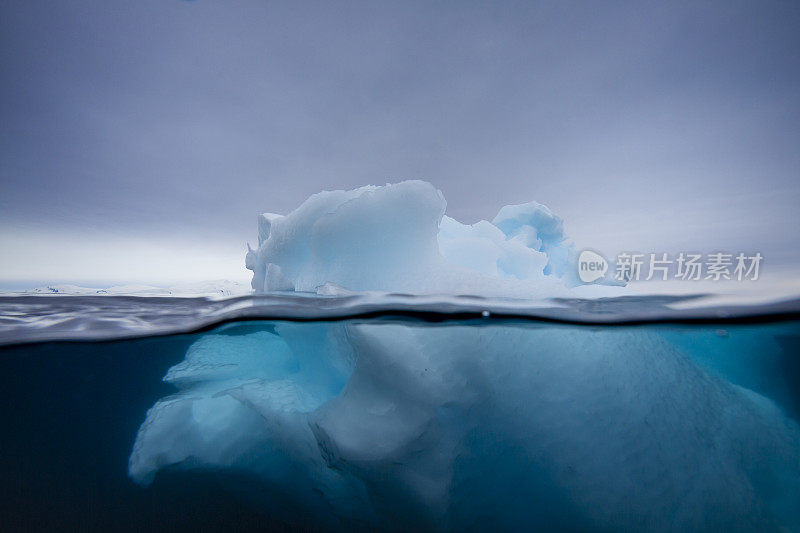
[{"x": 412, "y": 421}]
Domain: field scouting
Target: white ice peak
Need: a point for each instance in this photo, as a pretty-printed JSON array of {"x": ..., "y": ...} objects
[{"x": 397, "y": 238}]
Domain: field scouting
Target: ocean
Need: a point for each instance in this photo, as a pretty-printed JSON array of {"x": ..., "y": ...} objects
[{"x": 397, "y": 412}]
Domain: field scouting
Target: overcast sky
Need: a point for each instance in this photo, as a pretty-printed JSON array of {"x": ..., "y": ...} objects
[{"x": 140, "y": 139}]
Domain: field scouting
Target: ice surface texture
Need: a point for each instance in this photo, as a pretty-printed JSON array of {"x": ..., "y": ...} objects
[
  {"x": 497, "y": 426},
  {"x": 397, "y": 238}
]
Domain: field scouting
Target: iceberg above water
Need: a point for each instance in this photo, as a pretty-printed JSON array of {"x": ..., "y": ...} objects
[{"x": 396, "y": 238}]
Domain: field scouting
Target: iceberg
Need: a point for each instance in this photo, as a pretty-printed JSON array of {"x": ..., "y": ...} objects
[
  {"x": 502, "y": 426},
  {"x": 397, "y": 238},
  {"x": 476, "y": 424}
]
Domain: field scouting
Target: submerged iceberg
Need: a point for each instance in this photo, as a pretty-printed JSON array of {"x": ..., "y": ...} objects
[
  {"x": 396, "y": 238},
  {"x": 500, "y": 426}
]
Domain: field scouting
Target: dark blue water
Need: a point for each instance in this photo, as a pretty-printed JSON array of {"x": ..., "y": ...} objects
[
  {"x": 401, "y": 422},
  {"x": 70, "y": 415}
]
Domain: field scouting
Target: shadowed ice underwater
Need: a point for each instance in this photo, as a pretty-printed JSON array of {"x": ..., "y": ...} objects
[{"x": 509, "y": 425}]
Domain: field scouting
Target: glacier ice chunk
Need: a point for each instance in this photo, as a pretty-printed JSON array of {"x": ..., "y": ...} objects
[
  {"x": 497, "y": 426},
  {"x": 397, "y": 238}
]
